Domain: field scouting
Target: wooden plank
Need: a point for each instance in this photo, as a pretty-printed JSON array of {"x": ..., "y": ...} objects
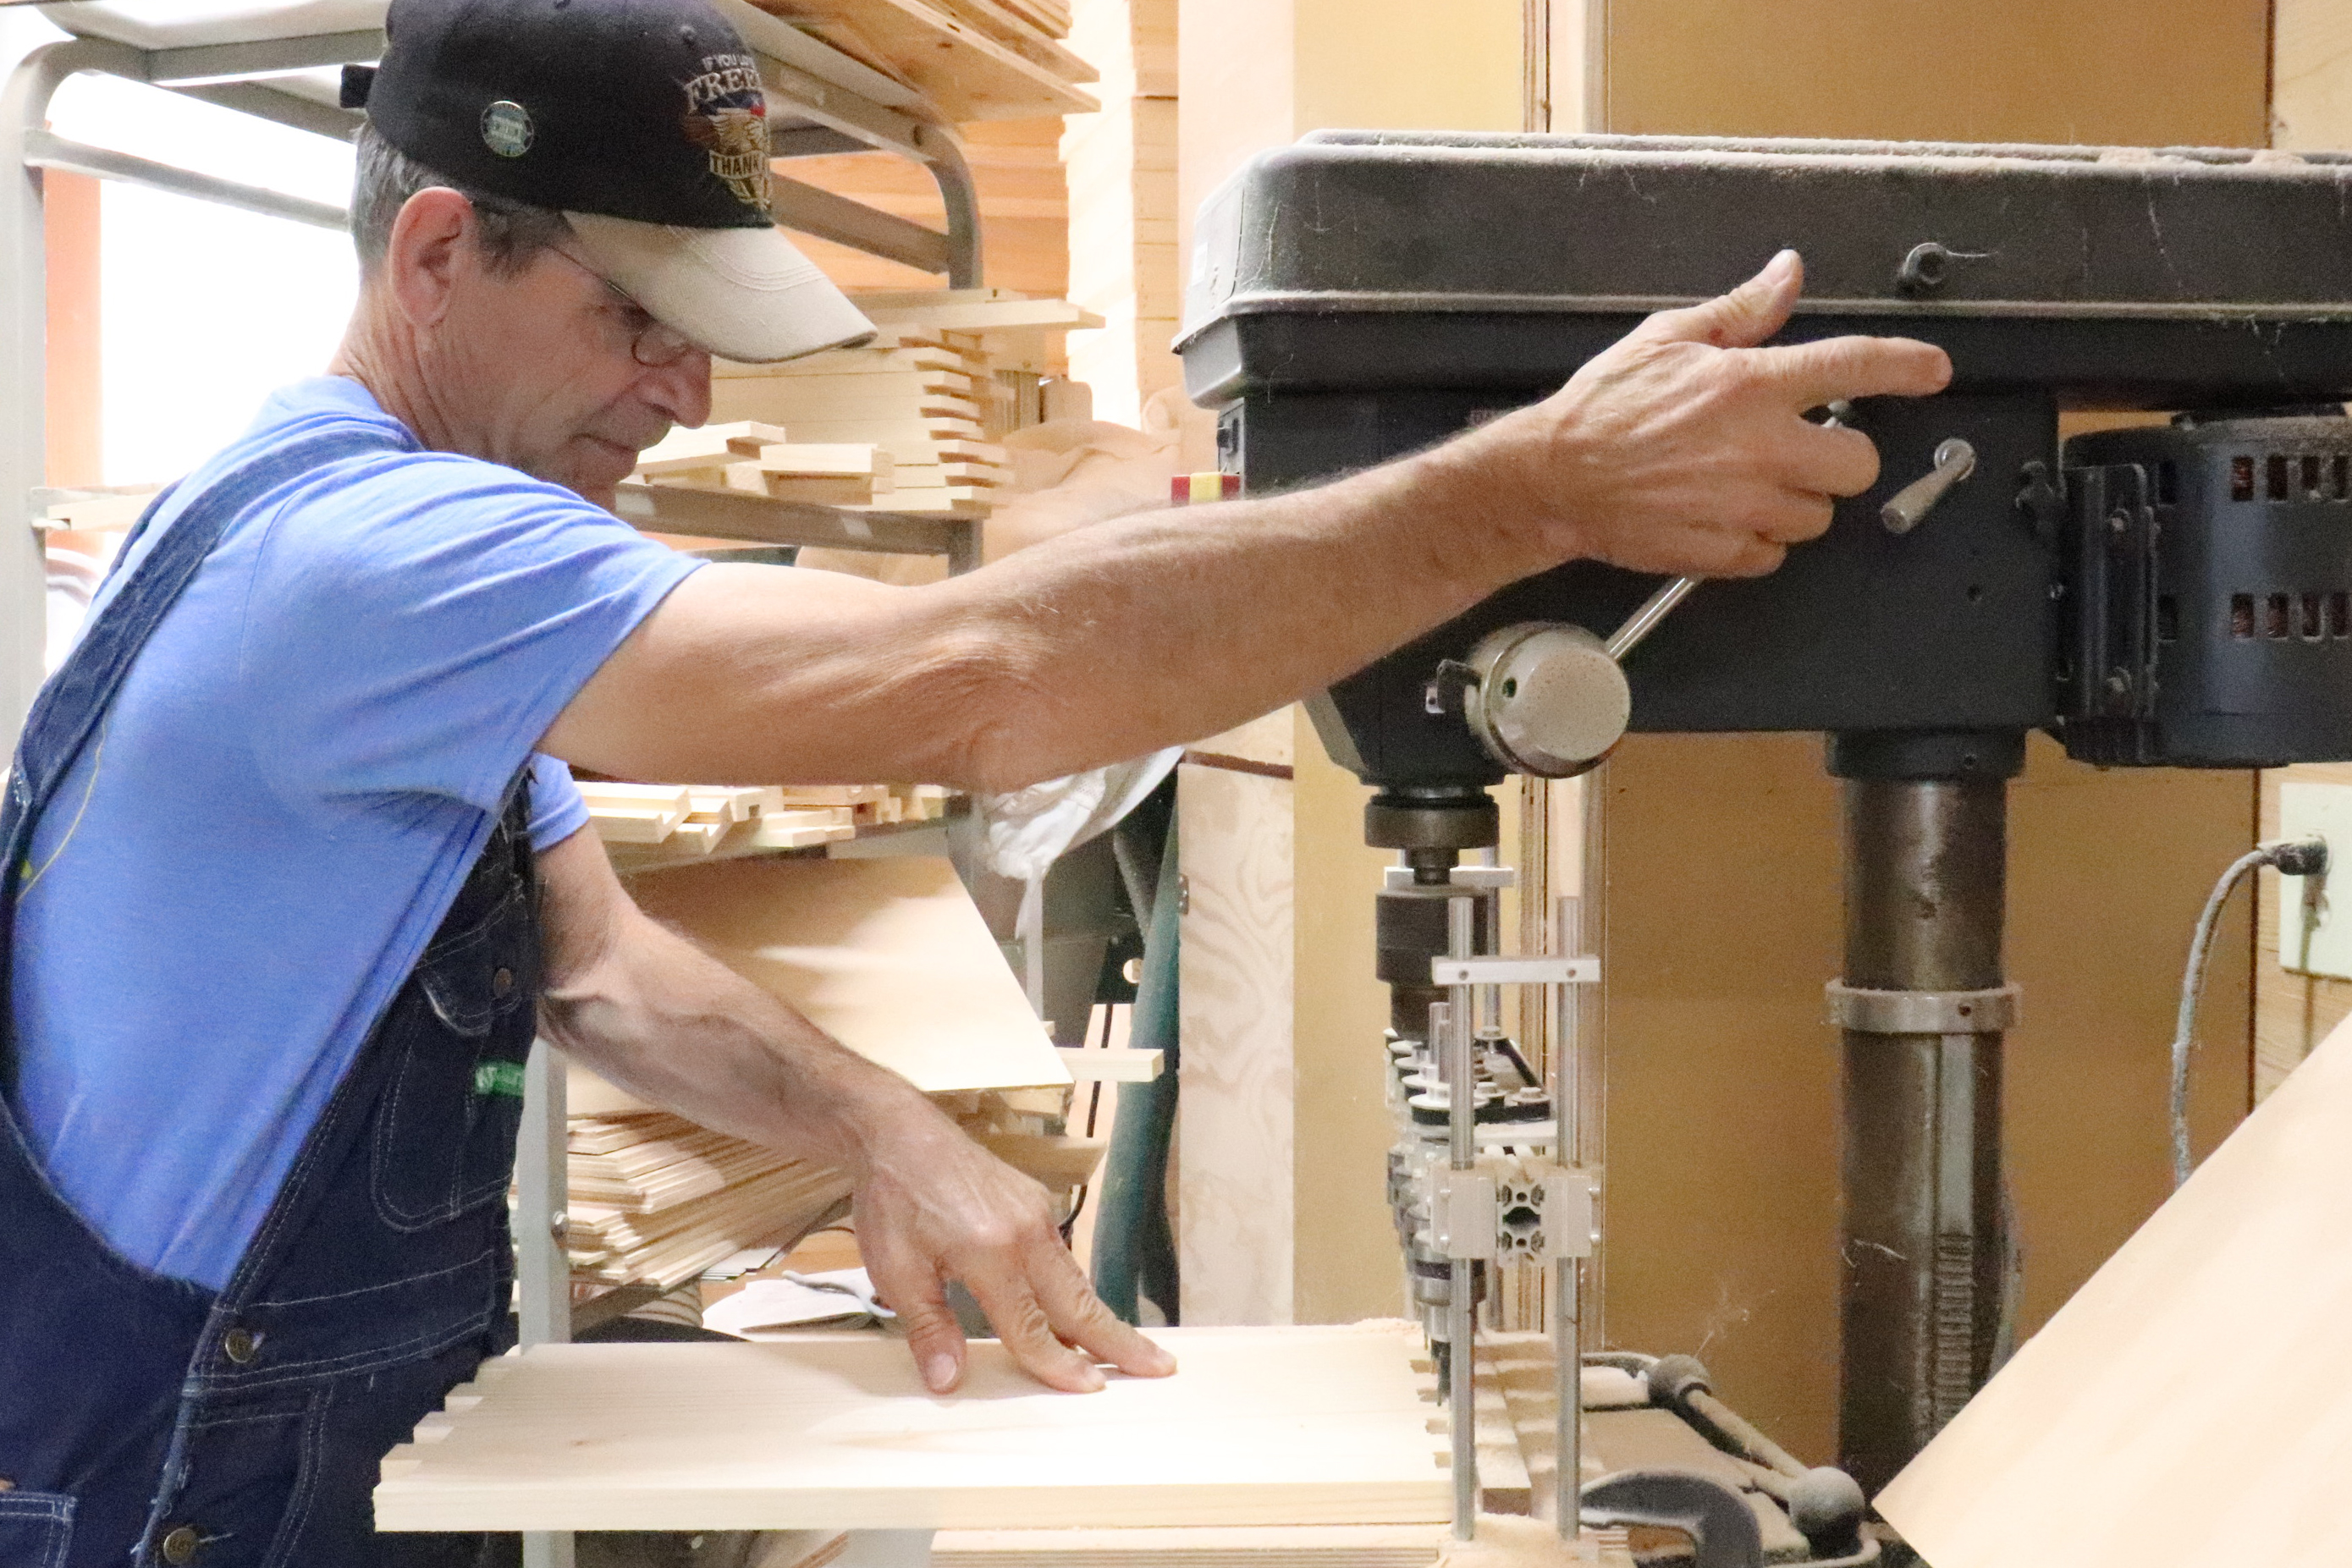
[
  {"x": 1058, "y": 1161},
  {"x": 716, "y": 514},
  {"x": 889, "y": 955},
  {"x": 706, "y": 446},
  {"x": 1316, "y": 1426},
  {"x": 1023, "y": 37},
  {"x": 1235, "y": 1181},
  {"x": 1122, "y": 1065},
  {"x": 966, "y": 74},
  {"x": 2186, "y": 1404},
  {"x": 909, "y": 437}
]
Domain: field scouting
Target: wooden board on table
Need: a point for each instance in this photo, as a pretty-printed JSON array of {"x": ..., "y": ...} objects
[
  {"x": 1285, "y": 1426},
  {"x": 1209, "y": 1546},
  {"x": 888, "y": 955},
  {"x": 2188, "y": 1405}
]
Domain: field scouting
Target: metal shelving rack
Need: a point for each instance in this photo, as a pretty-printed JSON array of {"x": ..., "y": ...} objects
[{"x": 281, "y": 64}]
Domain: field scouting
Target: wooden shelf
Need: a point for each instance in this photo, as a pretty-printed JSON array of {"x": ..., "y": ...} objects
[{"x": 755, "y": 520}]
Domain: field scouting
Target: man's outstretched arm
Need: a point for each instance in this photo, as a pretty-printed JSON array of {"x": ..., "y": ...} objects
[
  {"x": 654, "y": 1013},
  {"x": 1682, "y": 448}
]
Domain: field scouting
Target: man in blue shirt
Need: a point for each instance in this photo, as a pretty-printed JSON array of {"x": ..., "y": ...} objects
[{"x": 294, "y": 861}]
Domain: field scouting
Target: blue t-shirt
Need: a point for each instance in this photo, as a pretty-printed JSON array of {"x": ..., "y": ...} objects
[{"x": 290, "y": 786}]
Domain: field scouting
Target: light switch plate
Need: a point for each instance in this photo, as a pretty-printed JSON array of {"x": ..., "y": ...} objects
[{"x": 2316, "y": 922}]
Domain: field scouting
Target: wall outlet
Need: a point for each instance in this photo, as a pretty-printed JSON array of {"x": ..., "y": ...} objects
[{"x": 2315, "y": 928}]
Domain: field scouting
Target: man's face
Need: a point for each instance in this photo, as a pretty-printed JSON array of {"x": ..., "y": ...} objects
[{"x": 545, "y": 370}]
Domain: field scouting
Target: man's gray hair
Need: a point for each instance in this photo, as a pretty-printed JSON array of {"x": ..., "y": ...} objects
[{"x": 512, "y": 233}]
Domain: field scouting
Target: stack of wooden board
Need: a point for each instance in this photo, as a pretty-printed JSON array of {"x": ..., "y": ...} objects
[
  {"x": 949, "y": 374},
  {"x": 761, "y": 459},
  {"x": 655, "y": 1199},
  {"x": 971, "y": 59},
  {"x": 925, "y": 400},
  {"x": 646, "y": 826}
]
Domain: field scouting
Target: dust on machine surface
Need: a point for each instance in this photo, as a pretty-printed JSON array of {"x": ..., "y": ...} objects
[{"x": 2167, "y": 596}]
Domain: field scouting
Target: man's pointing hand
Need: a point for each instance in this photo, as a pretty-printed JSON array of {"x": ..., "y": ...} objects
[{"x": 1684, "y": 447}]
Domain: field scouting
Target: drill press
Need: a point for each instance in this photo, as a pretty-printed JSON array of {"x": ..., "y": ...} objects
[{"x": 2171, "y": 595}]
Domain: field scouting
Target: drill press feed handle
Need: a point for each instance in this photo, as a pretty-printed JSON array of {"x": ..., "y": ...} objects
[{"x": 1547, "y": 699}]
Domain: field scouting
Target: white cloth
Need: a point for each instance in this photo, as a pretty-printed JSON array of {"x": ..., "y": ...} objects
[{"x": 1024, "y": 832}]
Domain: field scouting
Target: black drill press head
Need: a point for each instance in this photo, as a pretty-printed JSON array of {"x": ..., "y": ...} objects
[{"x": 2173, "y": 595}]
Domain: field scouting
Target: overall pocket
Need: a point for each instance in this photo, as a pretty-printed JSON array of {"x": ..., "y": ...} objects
[
  {"x": 36, "y": 1528},
  {"x": 444, "y": 1136},
  {"x": 251, "y": 1471}
]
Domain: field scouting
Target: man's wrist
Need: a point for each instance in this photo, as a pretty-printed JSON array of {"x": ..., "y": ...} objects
[
  {"x": 1504, "y": 510},
  {"x": 879, "y": 1120}
]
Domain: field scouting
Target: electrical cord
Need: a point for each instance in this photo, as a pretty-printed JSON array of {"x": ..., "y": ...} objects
[{"x": 2291, "y": 857}]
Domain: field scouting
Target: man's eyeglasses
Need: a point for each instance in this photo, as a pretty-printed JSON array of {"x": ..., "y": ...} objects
[{"x": 654, "y": 345}]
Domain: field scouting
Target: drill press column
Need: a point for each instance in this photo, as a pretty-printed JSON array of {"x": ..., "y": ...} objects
[{"x": 1922, "y": 1004}]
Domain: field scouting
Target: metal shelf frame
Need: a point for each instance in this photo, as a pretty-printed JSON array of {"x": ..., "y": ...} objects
[{"x": 820, "y": 102}]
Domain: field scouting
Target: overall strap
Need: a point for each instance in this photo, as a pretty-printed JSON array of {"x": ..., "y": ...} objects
[{"x": 72, "y": 702}]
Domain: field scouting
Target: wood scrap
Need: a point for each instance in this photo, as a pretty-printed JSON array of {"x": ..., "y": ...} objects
[
  {"x": 1056, "y": 1162},
  {"x": 1120, "y": 1065}
]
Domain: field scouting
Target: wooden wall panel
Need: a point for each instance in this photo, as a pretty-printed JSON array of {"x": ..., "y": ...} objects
[
  {"x": 1347, "y": 1263},
  {"x": 1992, "y": 70},
  {"x": 1233, "y": 1129},
  {"x": 1722, "y": 1121}
]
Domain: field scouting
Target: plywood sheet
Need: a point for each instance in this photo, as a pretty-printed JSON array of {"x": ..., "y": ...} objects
[
  {"x": 888, "y": 955},
  {"x": 1233, "y": 1164},
  {"x": 1300, "y": 1425},
  {"x": 2189, "y": 1404}
]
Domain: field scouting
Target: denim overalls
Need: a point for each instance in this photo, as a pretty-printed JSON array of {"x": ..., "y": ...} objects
[{"x": 145, "y": 1419}]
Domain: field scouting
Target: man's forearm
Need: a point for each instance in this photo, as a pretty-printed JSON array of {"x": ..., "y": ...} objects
[
  {"x": 660, "y": 1017},
  {"x": 1053, "y": 660},
  {"x": 1677, "y": 450}
]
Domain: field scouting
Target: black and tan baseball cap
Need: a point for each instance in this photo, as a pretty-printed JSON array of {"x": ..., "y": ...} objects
[{"x": 643, "y": 121}]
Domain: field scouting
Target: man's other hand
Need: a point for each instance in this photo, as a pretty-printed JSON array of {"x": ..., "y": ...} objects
[
  {"x": 936, "y": 1206},
  {"x": 1683, "y": 447}
]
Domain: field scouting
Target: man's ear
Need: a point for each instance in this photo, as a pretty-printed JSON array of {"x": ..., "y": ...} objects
[{"x": 432, "y": 243}]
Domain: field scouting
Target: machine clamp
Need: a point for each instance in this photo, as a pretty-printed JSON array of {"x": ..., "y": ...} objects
[{"x": 1922, "y": 1012}]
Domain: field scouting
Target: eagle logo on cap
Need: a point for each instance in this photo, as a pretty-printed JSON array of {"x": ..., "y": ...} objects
[{"x": 727, "y": 116}]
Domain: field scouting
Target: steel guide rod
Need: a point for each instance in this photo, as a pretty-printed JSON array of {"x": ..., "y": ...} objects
[
  {"x": 1461, "y": 1307},
  {"x": 1568, "y": 1361}
]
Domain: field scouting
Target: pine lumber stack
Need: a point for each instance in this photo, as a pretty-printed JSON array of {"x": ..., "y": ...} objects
[
  {"x": 950, "y": 372},
  {"x": 759, "y": 459},
  {"x": 654, "y": 1199},
  {"x": 646, "y": 826},
  {"x": 928, "y": 399},
  {"x": 971, "y": 59}
]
